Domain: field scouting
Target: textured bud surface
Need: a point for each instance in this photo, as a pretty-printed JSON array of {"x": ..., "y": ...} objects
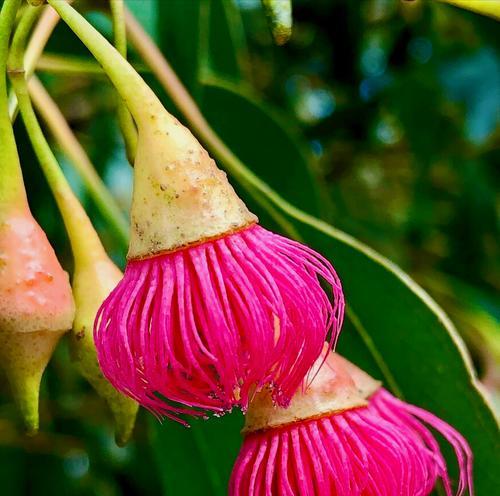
[
  {"x": 338, "y": 385},
  {"x": 35, "y": 294},
  {"x": 180, "y": 196},
  {"x": 36, "y": 308}
]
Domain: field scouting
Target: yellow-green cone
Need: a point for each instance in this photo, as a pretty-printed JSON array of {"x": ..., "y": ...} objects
[
  {"x": 24, "y": 356},
  {"x": 92, "y": 283}
]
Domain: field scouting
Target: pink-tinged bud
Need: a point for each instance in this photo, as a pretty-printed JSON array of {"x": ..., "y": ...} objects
[
  {"x": 36, "y": 307},
  {"x": 345, "y": 436}
]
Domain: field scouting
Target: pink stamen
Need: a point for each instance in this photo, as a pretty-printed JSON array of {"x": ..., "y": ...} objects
[
  {"x": 196, "y": 329},
  {"x": 382, "y": 449}
]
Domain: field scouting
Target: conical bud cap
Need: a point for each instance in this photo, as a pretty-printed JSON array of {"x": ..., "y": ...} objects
[
  {"x": 337, "y": 385},
  {"x": 180, "y": 196}
]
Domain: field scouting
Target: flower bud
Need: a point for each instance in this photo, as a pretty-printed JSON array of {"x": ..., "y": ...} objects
[
  {"x": 92, "y": 283},
  {"x": 36, "y": 308},
  {"x": 344, "y": 435}
]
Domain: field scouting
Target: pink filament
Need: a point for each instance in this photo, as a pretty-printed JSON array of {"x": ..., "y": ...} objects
[
  {"x": 208, "y": 325},
  {"x": 384, "y": 449}
]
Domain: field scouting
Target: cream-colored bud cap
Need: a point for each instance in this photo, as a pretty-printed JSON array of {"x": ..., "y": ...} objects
[
  {"x": 180, "y": 196},
  {"x": 337, "y": 386}
]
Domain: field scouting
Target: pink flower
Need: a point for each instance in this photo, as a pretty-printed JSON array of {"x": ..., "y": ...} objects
[
  {"x": 211, "y": 307},
  {"x": 210, "y": 324},
  {"x": 345, "y": 436}
]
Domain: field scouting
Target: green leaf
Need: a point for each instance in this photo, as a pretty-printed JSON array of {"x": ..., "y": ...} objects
[
  {"x": 196, "y": 460},
  {"x": 182, "y": 35}
]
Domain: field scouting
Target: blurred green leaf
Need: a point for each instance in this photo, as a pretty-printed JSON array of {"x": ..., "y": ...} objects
[
  {"x": 147, "y": 14},
  {"x": 227, "y": 47},
  {"x": 182, "y": 28},
  {"x": 196, "y": 460},
  {"x": 201, "y": 37},
  {"x": 12, "y": 462}
]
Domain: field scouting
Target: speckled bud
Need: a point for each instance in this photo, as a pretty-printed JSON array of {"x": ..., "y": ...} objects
[{"x": 180, "y": 196}]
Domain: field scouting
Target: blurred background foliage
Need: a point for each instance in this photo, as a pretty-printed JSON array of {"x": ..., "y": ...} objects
[{"x": 385, "y": 113}]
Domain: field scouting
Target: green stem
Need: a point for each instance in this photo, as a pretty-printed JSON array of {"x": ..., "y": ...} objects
[
  {"x": 85, "y": 243},
  {"x": 125, "y": 120},
  {"x": 29, "y": 16},
  {"x": 140, "y": 99},
  {"x": 11, "y": 180},
  {"x": 54, "y": 118},
  {"x": 39, "y": 38},
  {"x": 71, "y": 147},
  {"x": 54, "y": 63}
]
